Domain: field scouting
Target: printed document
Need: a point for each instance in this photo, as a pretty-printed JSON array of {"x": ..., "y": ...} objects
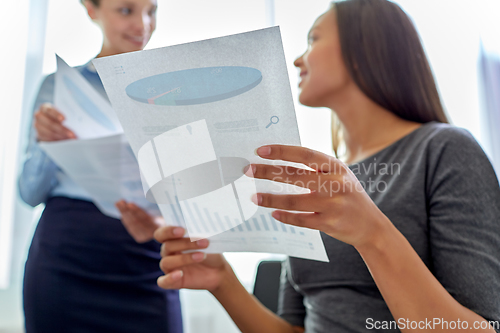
[
  {"x": 194, "y": 115},
  {"x": 100, "y": 159}
]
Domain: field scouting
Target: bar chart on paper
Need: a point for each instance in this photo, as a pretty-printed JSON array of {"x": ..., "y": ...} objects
[
  {"x": 209, "y": 221},
  {"x": 262, "y": 233},
  {"x": 266, "y": 223},
  {"x": 236, "y": 230}
]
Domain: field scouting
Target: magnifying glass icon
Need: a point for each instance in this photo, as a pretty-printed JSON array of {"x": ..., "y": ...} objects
[{"x": 274, "y": 120}]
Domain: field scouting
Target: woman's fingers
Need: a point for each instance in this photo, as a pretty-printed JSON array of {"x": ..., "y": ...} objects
[
  {"x": 139, "y": 214},
  {"x": 183, "y": 244},
  {"x": 313, "y": 180},
  {"x": 311, "y": 158},
  {"x": 121, "y": 205},
  {"x": 164, "y": 234},
  {"x": 48, "y": 123},
  {"x": 44, "y": 134},
  {"x": 173, "y": 262},
  {"x": 46, "y": 127},
  {"x": 51, "y": 112},
  {"x": 45, "y": 123},
  {"x": 43, "y": 119},
  {"x": 123, "y": 208},
  {"x": 299, "y": 202},
  {"x": 305, "y": 220},
  {"x": 172, "y": 280},
  {"x": 139, "y": 224},
  {"x": 144, "y": 217}
]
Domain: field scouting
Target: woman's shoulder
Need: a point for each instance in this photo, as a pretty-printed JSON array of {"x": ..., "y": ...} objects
[
  {"x": 443, "y": 133},
  {"x": 442, "y": 138},
  {"x": 88, "y": 67},
  {"x": 439, "y": 138},
  {"x": 451, "y": 149},
  {"x": 48, "y": 81},
  {"x": 439, "y": 148},
  {"x": 45, "y": 91},
  {"x": 430, "y": 141}
]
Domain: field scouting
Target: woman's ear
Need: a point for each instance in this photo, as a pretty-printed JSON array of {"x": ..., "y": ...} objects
[{"x": 91, "y": 9}]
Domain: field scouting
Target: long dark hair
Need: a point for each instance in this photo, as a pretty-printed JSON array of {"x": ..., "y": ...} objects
[{"x": 384, "y": 56}]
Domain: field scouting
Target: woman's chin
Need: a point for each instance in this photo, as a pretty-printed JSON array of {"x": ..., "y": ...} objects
[
  {"x": 134, "y": 48},
  {"x": 308, "y": 101}
]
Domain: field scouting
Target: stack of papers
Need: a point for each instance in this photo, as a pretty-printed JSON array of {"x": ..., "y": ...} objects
[
  {"x": 101, "y": 160},
  {"x": 193, "y": 115}
]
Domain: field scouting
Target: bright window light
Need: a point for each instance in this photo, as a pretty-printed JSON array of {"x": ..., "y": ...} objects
[{"x": 11, "y": 92}]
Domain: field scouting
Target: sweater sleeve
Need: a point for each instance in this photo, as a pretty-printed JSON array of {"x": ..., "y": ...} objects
[
  {"x": 464, "y": 222},
  {"x": 38, "y": 176},
  {"x": 290, "y": 303}
]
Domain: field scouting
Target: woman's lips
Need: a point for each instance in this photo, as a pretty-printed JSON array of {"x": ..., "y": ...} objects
[
  {"x": 139, "y": 41},
  {"x": 302, "y": 75}
]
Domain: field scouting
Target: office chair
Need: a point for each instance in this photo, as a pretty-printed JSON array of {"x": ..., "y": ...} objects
[{"x": 267, "y": 283}]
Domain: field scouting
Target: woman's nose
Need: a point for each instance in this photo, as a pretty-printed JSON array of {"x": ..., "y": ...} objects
[
  {"x": 298, "y": 62},
  {"x": 142, "y": 23}
]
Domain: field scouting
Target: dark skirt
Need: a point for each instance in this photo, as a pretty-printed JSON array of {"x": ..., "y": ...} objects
[{"x": 85, "y": 273}]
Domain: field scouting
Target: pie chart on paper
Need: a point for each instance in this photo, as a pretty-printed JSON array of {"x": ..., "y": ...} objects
[{"x": 194, "y": 86}]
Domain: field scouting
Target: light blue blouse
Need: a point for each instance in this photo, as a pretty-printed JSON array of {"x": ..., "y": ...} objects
[{"x": 41, "y": 178}]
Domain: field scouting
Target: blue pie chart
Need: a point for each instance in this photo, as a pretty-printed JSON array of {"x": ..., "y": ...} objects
[{"x": 194, "y": 86}]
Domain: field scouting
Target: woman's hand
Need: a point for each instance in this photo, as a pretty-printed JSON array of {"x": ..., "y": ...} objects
[
  {"x": 139, "y": 224},
  {"x": 337, "y": 205},
  {"x": 195, "y": 270},
  {"x": 48, "y": 124}
]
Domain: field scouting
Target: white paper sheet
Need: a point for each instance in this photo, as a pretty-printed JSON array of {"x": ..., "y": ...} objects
[
  {"x": 194, "y": 115},
  {"x": 100, "y": 160},
  {"x": 87, "y": 113},
  {"x": 105, "y": 167}
]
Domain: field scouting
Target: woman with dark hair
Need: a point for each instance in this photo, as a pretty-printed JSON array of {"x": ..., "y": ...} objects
[
  {"x": 409, "y": 219},
  {"x": 85, "y": 272}
]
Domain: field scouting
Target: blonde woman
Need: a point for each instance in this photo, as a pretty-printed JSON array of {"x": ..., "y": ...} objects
[{"x": 85, "y": 272}]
